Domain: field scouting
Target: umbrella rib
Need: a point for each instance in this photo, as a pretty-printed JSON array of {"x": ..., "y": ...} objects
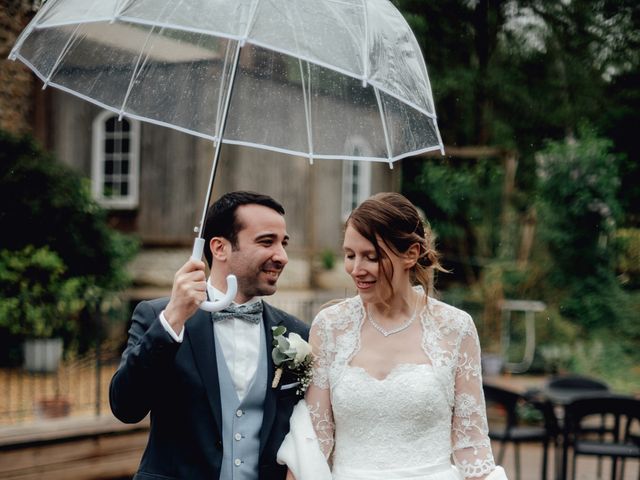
[
  {"x": 221, "y": 89},
  {"x": 70, "y": 41},
  {"x": 383, "y": 119},
  {"x": 32, "y": 25},
  {"x": 339, "y": 18},
  {"x": 250, "y": 21},
  {"x": 365, "y": 53},
  {"x": 140, "y": 65},
  {"x": 306, "y": 96},
  {"x": 307, "y": 107},
  {"x": 220, "y": 134},
  {"x": 120, "y": 6},
  {"x": 136, "y": 70}
]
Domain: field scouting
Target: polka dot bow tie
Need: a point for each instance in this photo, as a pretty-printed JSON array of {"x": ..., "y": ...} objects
[{"x": 250, "y": 313}]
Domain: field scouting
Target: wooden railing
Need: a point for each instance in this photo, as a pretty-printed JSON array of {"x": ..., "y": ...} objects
[{"x": 76, "y": 448}]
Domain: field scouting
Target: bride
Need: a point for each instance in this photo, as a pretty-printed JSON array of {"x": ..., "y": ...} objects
[{"x": 397, "y": 387}]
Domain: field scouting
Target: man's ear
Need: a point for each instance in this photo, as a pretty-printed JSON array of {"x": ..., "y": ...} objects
[
  {"x": 220, "y": 248},
  {"x": 411, "y": 256}
]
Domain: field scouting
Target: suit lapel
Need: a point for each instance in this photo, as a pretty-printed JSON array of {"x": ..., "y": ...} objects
[
  {"x": 271, "y": 319},
  {"x": 199, "y": 331}
]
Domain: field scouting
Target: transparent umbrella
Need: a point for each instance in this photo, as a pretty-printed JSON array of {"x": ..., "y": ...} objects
[{"x": 299, "y": 77}]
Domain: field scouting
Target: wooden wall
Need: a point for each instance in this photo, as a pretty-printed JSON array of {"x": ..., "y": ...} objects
[{"x": 174, "y": 172}]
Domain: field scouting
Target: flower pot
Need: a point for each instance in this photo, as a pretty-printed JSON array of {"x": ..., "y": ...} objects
[
  {"x": 42, "y": 354},
  {"x": 53, "y": 407}
]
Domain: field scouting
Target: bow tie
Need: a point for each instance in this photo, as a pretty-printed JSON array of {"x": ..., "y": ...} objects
[{"x": 251, "y": 313}]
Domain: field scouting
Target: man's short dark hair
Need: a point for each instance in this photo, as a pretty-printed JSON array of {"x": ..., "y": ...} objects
[{"x": 221, "y": 218}]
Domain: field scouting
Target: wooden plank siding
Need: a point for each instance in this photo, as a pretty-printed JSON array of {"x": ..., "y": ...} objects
[
  {"x": 175, "y": 168},
  {"x": 78, "y": 448}
]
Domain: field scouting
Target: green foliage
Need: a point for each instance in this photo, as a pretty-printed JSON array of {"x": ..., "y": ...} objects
[
  {"x": 628, "y": 260},
  {"x": 327, "y": 259},
  {"x": 578, "y": 211},
  {"x": 603, "y": 356},
  {"x": 462, "y": 202},
  {"x": 525, "y": 75},
  {"x": 44, "y": 203},
  {"x": 36, "y": 300},
  {"x": 517, "y": 73},
  {"x": 581, "y": 176},
  {"x": 60, "y": 262}
]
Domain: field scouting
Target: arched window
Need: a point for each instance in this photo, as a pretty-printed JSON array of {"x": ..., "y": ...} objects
[
  {"x": 115, "y": 162},
  {"x": 356, "y": 177}
]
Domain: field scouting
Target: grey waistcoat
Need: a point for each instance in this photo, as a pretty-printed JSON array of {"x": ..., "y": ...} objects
[{"x": 241, "y": 421}]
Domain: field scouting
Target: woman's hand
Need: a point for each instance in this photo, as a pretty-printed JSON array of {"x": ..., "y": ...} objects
[{"x": 290, "y": 475}]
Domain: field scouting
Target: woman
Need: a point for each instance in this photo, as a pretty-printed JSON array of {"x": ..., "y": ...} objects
[{"x": 397, "y": 386}]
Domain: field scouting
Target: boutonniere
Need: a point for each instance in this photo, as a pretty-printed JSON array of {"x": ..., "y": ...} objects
[{"x": 293, "y": 353}]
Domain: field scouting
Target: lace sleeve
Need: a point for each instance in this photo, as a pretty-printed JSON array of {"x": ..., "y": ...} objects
[
  {"x": 318, "y": 394},
  {"x": 470, "y": 432}
]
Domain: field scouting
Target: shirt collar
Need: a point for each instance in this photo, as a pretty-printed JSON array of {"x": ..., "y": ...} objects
[{"x": 216, "y": 294}]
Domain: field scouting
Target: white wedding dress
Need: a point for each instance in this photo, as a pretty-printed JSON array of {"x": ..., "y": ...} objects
[{"x": 423, "y": 421}]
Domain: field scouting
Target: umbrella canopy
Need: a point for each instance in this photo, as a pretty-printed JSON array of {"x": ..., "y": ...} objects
[
  {"x": 302, "y": 77},
  {"x": 172, "y": 63}
]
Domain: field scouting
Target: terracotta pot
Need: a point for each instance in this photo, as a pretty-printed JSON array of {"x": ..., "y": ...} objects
[{"x": 53, "y": 407}]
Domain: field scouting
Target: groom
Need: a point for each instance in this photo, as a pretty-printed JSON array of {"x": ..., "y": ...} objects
[{"x": 207, "y": 378}]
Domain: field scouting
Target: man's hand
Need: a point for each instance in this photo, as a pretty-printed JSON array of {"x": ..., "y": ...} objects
[{"x": 188, "y": 292}]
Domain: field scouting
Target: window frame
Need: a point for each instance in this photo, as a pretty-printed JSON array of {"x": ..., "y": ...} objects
[
  {"x": 348, "y": 202},
  {"x": 99, "y": 135}
]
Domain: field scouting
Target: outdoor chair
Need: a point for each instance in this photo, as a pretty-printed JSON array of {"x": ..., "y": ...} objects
[
  {"x": 510, "y": 429},
  {"x": 605, "y": 427},
  {"x": 575, "y": 385},
  {"x": 576, "y": 382}
]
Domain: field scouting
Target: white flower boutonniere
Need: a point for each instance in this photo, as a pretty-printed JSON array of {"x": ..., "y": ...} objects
[{"x": 294, "y": 354}]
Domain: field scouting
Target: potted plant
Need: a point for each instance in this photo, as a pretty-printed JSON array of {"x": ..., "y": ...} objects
[{"x": 38, "y": 303}]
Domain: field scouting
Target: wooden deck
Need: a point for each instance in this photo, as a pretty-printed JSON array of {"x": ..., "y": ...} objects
[{"x": 72, "y": 448}]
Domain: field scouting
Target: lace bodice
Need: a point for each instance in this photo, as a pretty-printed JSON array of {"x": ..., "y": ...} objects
[{"x": 420, "y": 413}]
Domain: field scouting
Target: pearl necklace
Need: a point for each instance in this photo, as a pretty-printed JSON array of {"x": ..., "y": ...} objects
[{"x": 399, "y": 329}]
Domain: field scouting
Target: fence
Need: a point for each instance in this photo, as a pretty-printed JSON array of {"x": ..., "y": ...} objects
[{"x": 80, "y": 386}]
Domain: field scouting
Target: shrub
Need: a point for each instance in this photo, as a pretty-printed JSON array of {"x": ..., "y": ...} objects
[
  {"x": 45, "y": 203},
  {"x": 628, "y": 263},
  {"x": 36, "y": 300},
  {"x": 60, "y": 261},
  {"x": 578, "y": 211}
]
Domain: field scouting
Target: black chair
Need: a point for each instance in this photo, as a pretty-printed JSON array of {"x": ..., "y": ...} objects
[
  {"x": 576, "y": 382},
  {"x": 573, "y": 386},
  {"x": 511, "y": 429},
  {"x": 605, "y": 427}
]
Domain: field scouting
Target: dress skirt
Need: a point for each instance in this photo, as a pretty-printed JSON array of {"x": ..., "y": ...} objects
[{"x": 442, "y": 471}]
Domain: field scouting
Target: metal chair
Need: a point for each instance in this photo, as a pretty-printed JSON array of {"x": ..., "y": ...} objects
[
  {"x": 574, "y": 385},
  {"x": 604, "y": 427},
  {"x": 576, "y": 382},
  {"x": 513, "y": 431}
]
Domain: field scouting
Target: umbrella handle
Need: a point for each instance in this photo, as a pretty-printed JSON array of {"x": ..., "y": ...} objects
[{"x": 232, "y": 283}]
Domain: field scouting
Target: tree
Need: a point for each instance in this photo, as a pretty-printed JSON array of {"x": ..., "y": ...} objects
[
  {"x": 44, "y": 203},
  {"x": 582, "y": 177},
  {"x": 59, "y": 260}
]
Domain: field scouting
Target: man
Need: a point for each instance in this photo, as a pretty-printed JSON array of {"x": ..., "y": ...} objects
[{"x": 207, "y": 378}]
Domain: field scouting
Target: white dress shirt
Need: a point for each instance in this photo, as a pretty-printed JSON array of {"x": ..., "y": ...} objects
[{"x": 239, "y": 340}]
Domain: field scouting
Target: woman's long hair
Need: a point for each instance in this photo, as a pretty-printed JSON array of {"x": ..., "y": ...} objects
[{"x": 394, "y": 220}]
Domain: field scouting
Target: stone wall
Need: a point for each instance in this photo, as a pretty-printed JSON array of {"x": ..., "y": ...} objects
[{"x": 16, "y": 94}]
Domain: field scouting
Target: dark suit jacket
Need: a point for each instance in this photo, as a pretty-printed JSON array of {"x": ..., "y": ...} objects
[{"x": 178, "y": 383}]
